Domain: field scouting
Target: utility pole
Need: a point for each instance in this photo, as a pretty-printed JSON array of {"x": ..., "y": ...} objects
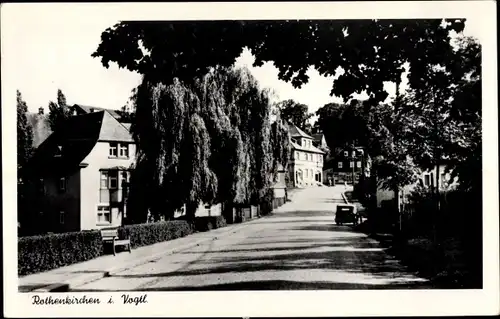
[
  {"x": 353, "y": 164},
  {"x": 436, "y": 161},
  {"x": 396, "y": 140}
]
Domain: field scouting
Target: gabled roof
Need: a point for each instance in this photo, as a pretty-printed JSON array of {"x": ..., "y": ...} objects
[
  {"x": 127, "y": 126},
  {"x": 297, "y": 132},
  {"x": 90, "y": 109},
  {"x": 75, "y": 139},
  {"x": 311, "y": 149},
  {"x": 112, "y": 130}
]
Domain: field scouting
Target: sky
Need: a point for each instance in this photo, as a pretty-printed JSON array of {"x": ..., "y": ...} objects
[{"x": 56, "y": 54}]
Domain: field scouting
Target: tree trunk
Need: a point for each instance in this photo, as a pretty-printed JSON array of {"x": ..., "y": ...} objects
[{"x": 191, "y": 211}]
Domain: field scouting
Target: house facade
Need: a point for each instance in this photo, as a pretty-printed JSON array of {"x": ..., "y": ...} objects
[
  {"x": 341, "y": 166},
  {"x": 81, "y": 173},
  {"x": 306, "y": 160},
  {"x": 427, "y": 179}
]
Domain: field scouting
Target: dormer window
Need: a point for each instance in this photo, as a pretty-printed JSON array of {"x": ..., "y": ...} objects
[
  {"x": 113, "y": 149},
  {"x": 119, "y": 150},
  {"x": 123, "y": 150}
]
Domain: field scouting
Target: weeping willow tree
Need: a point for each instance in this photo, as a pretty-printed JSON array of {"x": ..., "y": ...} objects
[{"x": 206, "y": 141}]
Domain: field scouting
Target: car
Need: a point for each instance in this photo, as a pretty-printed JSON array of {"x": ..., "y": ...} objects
[{"x": 346, "y": 214}]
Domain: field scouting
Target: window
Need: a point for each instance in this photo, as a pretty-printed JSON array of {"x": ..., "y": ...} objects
[
  {"x": 123, "y": 150},
  {"x": 113, "y": 149},
  {"x": 340, "y": 164},
  {"x": 297, "y": 155},
  {"x": 104, "y": 180},
  {"x": 427, "y": 180},
  {"x": 351, "y": 164},
  {"x": 358, "y": 164},
  {"x": 61, "y": 217},
  {"x": 103, "y": 215},
  {"x": 113, "y": 179},
  {"x": 432, "y": 179},
  {"x": 62, "y": 184}
]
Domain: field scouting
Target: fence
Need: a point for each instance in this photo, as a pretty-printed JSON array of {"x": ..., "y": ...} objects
[{"x": 458, "y": 213}]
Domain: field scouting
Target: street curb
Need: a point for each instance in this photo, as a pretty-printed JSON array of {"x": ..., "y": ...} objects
[
  {"x": 344, "y": 198},
  {"x": 79, "y": 281}
]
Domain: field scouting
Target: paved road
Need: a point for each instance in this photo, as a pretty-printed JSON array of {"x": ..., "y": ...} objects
[{"x": 299, "y": 247}]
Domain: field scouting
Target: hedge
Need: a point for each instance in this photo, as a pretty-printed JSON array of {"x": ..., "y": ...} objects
[
  {"x": 45, "y": 252},
  {"x": 206, "y": 223},
  {"x": 152, "y": 233}
]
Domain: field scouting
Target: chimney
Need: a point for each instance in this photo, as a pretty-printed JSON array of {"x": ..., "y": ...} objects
[{"x": 40, "y": 110}]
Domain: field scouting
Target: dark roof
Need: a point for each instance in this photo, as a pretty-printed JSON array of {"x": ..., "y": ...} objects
[
  {"x": 297, "y": 132},
  {"x": 76, "y": 137},
  {"x": 90, "y": 109},
  {"x": 318, "y": 137}
]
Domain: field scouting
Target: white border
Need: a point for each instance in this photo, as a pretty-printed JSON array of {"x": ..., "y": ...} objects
[{"x": 293, "y": 303}]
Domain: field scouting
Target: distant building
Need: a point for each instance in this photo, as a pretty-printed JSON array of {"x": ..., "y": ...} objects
[
  {"x": 79, "y": 109},
  {"x": 306, "y": 160},
  {"x": 320, "y": 142},
  {"x": 427, "y": 179},
  {"x": 81, "y": 173},
  {"x": 341, "y": 165}
]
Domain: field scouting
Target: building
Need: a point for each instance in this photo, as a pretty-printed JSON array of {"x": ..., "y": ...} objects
[
  {"x": 306, "y": 160},
  {"x": 79, "y": 109},
  {"x": 341, "y": 166},
  {"x": 320, "y": 142},
  {"x": 81, "y": 173},
  {"x": 427, "y": 179}
]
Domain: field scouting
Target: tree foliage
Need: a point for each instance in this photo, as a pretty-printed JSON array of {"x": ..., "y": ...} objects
[
  {"x": 58, "y": 112},
  {"x": 448, "y": 113},
  {"x": 437, "y": 123},
  {"x": 205, "y": 141},
  {"x": 24, "y": 133},
  {"x": 296, "y": 113},
  {"x": 369, "y": 51}
]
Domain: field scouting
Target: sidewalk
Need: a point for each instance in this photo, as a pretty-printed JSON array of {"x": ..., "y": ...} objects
[
  {"x": 61, "y": 279},
  {"x": 77, "y": 274}
]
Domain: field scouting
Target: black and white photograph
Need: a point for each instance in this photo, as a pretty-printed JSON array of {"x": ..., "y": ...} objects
[{"x": 227, "y": 150}]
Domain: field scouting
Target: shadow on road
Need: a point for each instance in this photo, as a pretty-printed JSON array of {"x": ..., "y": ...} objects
[
  {"x": 341, "y": 254},
  {"x": 276, "y": 285}
]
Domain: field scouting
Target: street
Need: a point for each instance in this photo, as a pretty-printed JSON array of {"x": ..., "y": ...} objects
[{"x": 298, "y": 247}]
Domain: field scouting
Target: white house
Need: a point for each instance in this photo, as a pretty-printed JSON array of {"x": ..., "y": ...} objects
[{"x": 306, "y": 160}]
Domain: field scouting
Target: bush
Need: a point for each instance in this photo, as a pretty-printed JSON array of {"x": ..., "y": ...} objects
[
  {"x": 46, "y": 252},
  {"x": 209, "y": 222},
  {"x": 149, "y": 234},
  {"x": 266, "y": 204}
]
